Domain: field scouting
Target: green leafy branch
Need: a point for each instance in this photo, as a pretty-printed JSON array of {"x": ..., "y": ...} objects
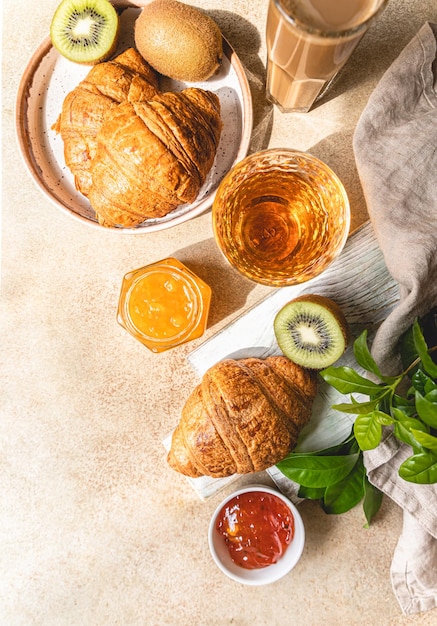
[
  {"x": 413, "y": 417},
  {"x": 336, "y": 476}
]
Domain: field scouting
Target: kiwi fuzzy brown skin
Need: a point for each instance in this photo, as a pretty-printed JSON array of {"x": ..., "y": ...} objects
[
  {"x": 178, "y": 40},
  {"x": 85, "y": 31},
  {"x": 331, "y": 319}
]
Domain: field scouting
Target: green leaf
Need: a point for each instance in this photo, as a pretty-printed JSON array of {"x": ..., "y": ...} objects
[
  {"x": 363, "y": 356},
  {"x": 407, "y": 406},
  {"x": 425, "y": 439},
  {"x": 316, "y": 471},
  {"x": 401, "y": 416},
  {"x": 383, "y": 418},
  {"x": 412, "y": 415},
  {"x": 423, "y": 383},
  {"x": 347, "y": 380},
  {"x": 408, "y": 350},
  {"x": 368, "y": 431},
  {"x": 430, "y": 386},
  {"x": 426, "y": 410},
  {"x": 405, "y": 434},
  {"x": 431, "y": 395},
  {"x": 419, "y": 341},
  {"x": 356, "y": 408},
  {"x": 347, "y": 493},
  {"x": 372, "y": 501},
  {"x": 404, "y": 426},
  {"x": 311, "y": 493},
  {"x": 420, "y": 468}
]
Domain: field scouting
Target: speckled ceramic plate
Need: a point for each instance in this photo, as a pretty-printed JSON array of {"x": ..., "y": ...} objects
[{"x": 46, "y": 81}]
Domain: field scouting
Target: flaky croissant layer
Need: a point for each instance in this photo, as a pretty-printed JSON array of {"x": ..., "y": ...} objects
[
  {"x": 127, "y": 78},
  {"x": 244, "y": 416},
  {"x": 154, "y": 156}
]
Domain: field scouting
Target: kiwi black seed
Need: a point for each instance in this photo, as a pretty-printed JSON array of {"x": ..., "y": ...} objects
[
  {"x": 312, "y": 331},
  {"x": 85, "y": 31}
]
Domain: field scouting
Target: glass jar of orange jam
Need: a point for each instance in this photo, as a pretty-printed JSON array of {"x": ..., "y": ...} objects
[{"x": 164, "y": 304}]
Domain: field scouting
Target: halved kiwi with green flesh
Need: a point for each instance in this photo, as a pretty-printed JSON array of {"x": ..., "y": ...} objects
[
  {"x": 85, "y": 31},
  {"x": 312, "y": 331}
]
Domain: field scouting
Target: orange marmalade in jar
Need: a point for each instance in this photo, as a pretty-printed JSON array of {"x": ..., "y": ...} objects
[{"x": 164, "y": 304}]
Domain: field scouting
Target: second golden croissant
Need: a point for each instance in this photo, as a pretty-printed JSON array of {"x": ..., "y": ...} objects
[{"x": 244, "y": 417}]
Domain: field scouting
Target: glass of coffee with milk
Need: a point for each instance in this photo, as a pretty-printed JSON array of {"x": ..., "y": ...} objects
[{"x": 308, "y": 42}]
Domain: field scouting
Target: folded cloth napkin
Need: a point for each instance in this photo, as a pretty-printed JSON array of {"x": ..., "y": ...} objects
[{"x": 395, "y": 146}]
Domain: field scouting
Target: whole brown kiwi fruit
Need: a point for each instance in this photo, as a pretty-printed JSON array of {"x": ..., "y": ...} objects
[{"x": 178, "y": 40}]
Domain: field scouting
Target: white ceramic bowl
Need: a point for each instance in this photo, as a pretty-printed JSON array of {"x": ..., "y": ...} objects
[{"x": 265, "y": 575}]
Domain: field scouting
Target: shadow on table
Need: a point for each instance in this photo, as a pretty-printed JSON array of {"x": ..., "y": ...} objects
[
  {"x": 229, "y": 289},
  {"x": 380, "y": 46},
  {"x": 336, "y": 150},
  {"x": 245, "y": 39}
]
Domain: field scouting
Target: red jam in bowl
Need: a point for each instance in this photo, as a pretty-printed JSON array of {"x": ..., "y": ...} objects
[{"x": 257, "y": 528}]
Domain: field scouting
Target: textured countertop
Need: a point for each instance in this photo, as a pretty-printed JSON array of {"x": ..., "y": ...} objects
[{"x": 95, "y": 529}]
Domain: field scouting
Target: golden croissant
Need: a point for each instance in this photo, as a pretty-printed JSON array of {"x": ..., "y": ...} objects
[
  {"x": 245, "y": 416},
  {"x": 126, "y": 78},
  {"x": 154, "y": 156}
]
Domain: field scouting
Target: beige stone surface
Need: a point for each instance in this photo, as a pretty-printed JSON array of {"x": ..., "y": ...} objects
[{"x": 95, "y": 529}]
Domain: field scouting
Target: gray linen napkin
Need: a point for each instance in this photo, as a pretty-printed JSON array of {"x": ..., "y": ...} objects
[{"x": 395, "y": 146}]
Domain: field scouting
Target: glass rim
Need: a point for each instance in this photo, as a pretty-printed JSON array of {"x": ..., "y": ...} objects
[
  {"x": 250, "y": 166},
  {"x": 328, "y": 34},
  {"x": 285, "y": 153}
]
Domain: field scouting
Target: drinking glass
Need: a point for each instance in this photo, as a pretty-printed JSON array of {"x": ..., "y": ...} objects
[
  {"x": 280, "y": 216},
  {"x": 308, "y": 42}
]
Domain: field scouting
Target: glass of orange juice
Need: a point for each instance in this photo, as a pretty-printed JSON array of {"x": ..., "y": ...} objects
[
  {"x": 308, "y": 42},
  {"x": 280, "y": 217}
]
